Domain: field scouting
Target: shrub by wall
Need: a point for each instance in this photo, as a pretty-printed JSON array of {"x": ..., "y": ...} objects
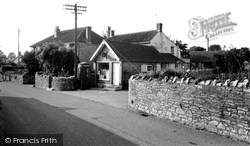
[
  {"x": 223, "y": 108},
  {"x": 63, "y": 83},
  {"x": 43, "y": 81}
]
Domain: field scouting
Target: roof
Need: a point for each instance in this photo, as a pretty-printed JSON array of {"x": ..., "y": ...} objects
[
  {"x": 20, "y": 57},
  {"x": 170, "y": 58},
  {"x": 203, "y": 56},
  {"x": 67, "y": 36},
  {"x": 140, "y": 53},
  {"x": 137, "y": 37}
]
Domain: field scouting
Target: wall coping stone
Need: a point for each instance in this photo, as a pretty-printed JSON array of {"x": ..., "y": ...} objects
[{"x": 175, "y": 79}]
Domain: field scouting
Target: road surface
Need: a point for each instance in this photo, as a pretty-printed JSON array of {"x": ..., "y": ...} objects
[{"x": 84, "y": 122}]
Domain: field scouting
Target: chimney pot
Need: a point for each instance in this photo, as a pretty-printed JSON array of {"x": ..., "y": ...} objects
[
  {"x": 112, "y": 33},
  {"x": 159, "y": 27},
  {"x": 108, "y": 32},
  {"x": 56, "y": 31},
  {"x": 88, "y": 34}
]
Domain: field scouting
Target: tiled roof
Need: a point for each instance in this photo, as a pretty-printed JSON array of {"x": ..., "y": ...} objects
[
  {"x": 140, "y": 53},
  {"x": 67, "y": 36},
  {"x": 145, "y": 36},
  {"x": 170, "y": 58},
  {"x": 203, "y": 56}
]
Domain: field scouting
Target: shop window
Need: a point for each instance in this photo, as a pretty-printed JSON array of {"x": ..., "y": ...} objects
[{"x": 103, "y": 71}]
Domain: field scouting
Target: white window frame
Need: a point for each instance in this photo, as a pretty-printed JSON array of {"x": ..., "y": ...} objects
[
  {"x": 98, "y": 71},
  {"x": 146, "y": 67}
]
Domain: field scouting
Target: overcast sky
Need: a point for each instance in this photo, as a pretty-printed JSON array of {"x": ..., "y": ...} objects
[{"x": 38, "y": 18}]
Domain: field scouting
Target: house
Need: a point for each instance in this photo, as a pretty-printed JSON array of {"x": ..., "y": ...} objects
[
  {"x": 87, "y": 40},
  {"x": 120, "y": 56}
]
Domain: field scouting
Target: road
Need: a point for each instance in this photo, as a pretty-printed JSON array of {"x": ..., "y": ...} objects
[{"x": 83, "y": 122}]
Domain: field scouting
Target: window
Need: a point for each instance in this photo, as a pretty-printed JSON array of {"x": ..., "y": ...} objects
[
  {"x": 104, "y": 55},
  {"x": 158, "y": 67},
  {"x": 71, "y": 45},
  {"x": 172, "y": 49},
  {"x": 176, "y": 65},
  {"x": 146, "y": 68},
  {"x": 150, "y": 68},
  {"x": 103, "y": 71}
]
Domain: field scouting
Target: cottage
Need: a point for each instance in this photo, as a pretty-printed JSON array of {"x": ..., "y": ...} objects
[
  {"x": 87, "y": 41},
  {"x": 120, "y": 56}
]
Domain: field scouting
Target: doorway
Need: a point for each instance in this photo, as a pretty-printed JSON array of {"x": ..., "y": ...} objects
[{"x": 116, "y": 73}]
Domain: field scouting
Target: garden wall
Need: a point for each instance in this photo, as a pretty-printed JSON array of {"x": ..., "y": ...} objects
[
  {"x": 223, "y": 108},
  {"x": 63, "y": 83},
  {"x": 43, "y": 81},
  {"x": 23, "y": 79}
]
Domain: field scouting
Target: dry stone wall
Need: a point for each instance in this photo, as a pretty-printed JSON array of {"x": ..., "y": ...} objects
[
  {"x": 23, "y": 79},
  {"x": 43, "y": 81},
  {"x": 63, "y": 83},
  {"x": 223, "y": 108}
]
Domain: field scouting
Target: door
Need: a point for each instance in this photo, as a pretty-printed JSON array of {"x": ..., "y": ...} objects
[
  {"x": 116, "y": 73},
  {"x": 84, "y": 76}
]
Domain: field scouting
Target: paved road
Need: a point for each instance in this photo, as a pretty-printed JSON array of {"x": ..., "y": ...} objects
[{"x": 85, "y": 122}]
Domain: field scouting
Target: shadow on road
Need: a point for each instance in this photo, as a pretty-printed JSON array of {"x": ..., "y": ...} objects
[{"x": 30, "y": 116}]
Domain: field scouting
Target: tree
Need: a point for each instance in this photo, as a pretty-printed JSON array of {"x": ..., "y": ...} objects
[
  {"x": 215, "y": 48},
  {"x": 54, "y": 58},
  {"x": 2, "y": 57},
  {"x": 234, "y": 60},
  {"x": 245, "y": 53},
  {"x": 197, "y": 48},
  {"x": 11, "y": 56},
  {"x": 220, "y": 62},
  {"x": 31, "y": 63},
  {"x": 230, "y": 61},
  {"x": 181, "y": 45}
]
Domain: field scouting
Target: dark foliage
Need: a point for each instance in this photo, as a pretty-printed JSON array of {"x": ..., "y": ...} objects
[{"x": 31, "y": 63}]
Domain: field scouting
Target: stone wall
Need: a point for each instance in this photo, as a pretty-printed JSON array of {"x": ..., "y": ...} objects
[
  {"x": 2, "y": 126},
  {"x": 5, "y": 77},
  {"x": 63, "y": 83},
  {"x": 223, "y": 108},
  {"x": 23, "y": 79},
  {"x": 43, "y": 81},
  {"x": 128, "y": 70}
]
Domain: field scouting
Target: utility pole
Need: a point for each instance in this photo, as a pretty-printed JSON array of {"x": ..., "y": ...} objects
[
  {"x": 207, "y": 38},
  {"x": 18, "y": 47},
  {"x": 75, "y": 8}
]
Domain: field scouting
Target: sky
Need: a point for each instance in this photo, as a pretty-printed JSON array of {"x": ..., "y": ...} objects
[{"x": 37, "y": 19}]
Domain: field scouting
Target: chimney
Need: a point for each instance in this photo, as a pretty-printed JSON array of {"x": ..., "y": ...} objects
[
  {"x": 108, "y": 32},
  {"x": 56, "y": 31},
  {"x": 159, "y": 27},
  {"x": 112, "y": 33},
  {"x": 88, "y": 34},
  {"x": 104, "y": 35}
]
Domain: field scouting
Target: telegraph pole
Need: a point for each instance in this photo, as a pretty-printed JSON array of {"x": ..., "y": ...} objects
[
  {"x": 207, "y": 38},
  {"x": 18, "y": 47},
  {"x": 75, "y": 8}
]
